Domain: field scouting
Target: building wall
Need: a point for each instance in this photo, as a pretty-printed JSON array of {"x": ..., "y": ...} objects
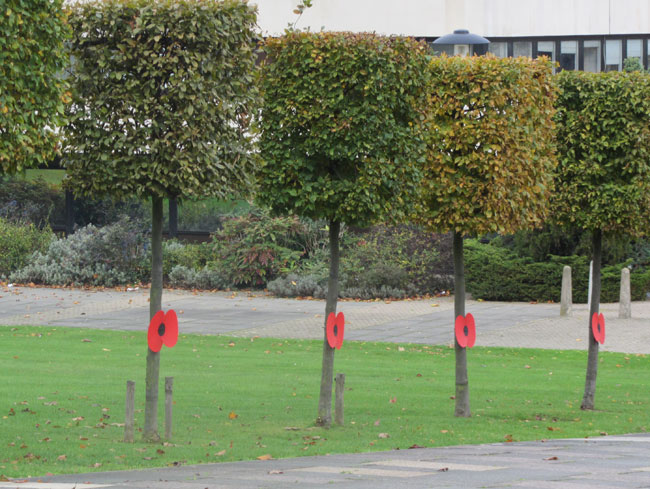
[{"x": 434, "y": 18}]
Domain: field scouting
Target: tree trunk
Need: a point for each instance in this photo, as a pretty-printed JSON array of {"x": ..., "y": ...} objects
[
  {"x": 462, "y": 383},
  {"x": 592, "y": 359},
  {"x": 155, "y": 304},
  {"x": 325, "y": 398},
  {"x": 173, "y": 218}
]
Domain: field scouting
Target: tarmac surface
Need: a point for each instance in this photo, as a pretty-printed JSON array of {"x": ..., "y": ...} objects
[{"x": 595, "y": 463}]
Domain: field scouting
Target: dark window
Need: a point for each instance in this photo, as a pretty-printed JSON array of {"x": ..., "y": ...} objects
[{"x": 569, "y": 55}]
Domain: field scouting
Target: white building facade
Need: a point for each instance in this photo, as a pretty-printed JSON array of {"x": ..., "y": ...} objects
[{"x": 590, "y": 35}]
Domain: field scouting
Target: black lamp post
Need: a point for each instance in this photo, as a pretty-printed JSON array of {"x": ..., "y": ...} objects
[{"x": 461, "y": 42}]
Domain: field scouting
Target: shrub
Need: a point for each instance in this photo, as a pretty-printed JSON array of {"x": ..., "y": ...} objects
[
  {"x": 113, "y": 255},
  {"x": 34, "y": 202},
  {"x": 255, "y": 248},
  {"x": 400, "y": 257},
  {"x": 18, "y": 241},
  {"x": 188, "y": 278},
  {"x": 294, "y": 285},
  {"x": 494, "y": 273},
  {"x": 188, "y": 255}
]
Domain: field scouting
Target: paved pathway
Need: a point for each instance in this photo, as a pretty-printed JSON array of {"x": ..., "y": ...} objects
[
  {"x": 608, "y": 462},
  {"x": 257, "y": 314},
  {"x": 598, "y": 463}
]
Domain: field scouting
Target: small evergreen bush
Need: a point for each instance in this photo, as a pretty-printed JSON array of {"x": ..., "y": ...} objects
[
  {"x": 495, "y": 273},
  {"x": 18, "y": 241}
]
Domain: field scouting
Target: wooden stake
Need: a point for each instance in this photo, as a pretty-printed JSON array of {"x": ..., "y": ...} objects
[
  {"x": 129, "y": 410},
  {"x": 338, "y": 408},
  {"x": 169, "y": 384}
]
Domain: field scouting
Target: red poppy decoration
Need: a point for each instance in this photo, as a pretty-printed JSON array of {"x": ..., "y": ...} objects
[
  {"x": 598, "y": 327},
  {"x": 335, "y": 329},
  {"x": 465, "y": 331},
  {"x": 163, "y": 330}
]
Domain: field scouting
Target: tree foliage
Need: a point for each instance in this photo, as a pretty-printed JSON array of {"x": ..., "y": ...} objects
[
  {"x": 162, "y": 95},
  {"x": 490, "y": 144},
  {"x": 603, "y": 135},
  {"x": 338, "y": 126},
  {"x": 32, "y": 91}
]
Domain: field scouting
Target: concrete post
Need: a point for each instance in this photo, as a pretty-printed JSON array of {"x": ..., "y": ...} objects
[
  {"x": 566, "y": 300},
  {"x": 625, "y": 302}
]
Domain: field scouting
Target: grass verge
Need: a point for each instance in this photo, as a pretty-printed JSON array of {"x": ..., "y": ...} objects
[{"x": 62, "y": 398}]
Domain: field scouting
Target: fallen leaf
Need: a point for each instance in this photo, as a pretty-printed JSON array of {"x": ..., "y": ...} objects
[
  {"x": 273, "y": 472},
  {"x": 383, "y": 435},
  {"x": 265, "y": 457},
  {"x": 291, "y": 428},
  {"x": 393, "y": 400},
  {"x": 415, "y": 446},
  {"x": 377, "y": 423},
  {"x": 160, "y": 452},
  {"x": 220, "y": 453},
  {"x": 508, "y": 438},
  {"x": 86, "y": 340},
  {"x": 97, "y": 464},
  {"x": 233, "y": 415},
  {"x": 444, "y": 431},
  {"x": 550, "y": 458},
  {"x": 444, "y": 469},
  {"x": 62, "y": 457},
  {"x": 552, "y": 428}
]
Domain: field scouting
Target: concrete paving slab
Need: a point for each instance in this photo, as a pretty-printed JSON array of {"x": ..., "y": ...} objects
[{"x": 595, "y": 463}]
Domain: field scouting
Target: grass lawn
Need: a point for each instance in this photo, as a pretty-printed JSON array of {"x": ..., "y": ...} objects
[
  {"x": 62, "y": 398},
  {"x": 53, "y": 177}
]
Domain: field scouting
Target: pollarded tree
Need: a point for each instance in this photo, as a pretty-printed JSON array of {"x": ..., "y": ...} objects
[
  {"x": 490, "y": 158},
  {"x": 162, "y": 93},
  {"x": 32, "y": 90},
  {"x": 339, "y": 138},
  {"x": 603, "y": 176}
]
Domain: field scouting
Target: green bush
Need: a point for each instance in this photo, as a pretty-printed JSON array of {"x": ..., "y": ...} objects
[
  {"x": 188, "y": 255},
  {"x": 31, "y": 202},
  {"x": 254, "y": 249},
  {"x": 18, "y": 242},
  {"x": 116, "y": 254},
  {"x": 399, "y": 257},
  {"x": 495, "y": 273},
  {"x": 378, "y": 262}
]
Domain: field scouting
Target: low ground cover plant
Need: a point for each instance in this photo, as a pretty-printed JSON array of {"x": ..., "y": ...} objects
[
  {"x": 113, "y": 255},
  {"x": 241, "y": 398}
]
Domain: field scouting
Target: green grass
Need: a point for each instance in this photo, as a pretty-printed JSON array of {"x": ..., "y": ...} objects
[
  {"x": 54, "y": 177},
  {"x": 62, "y": 399}
]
